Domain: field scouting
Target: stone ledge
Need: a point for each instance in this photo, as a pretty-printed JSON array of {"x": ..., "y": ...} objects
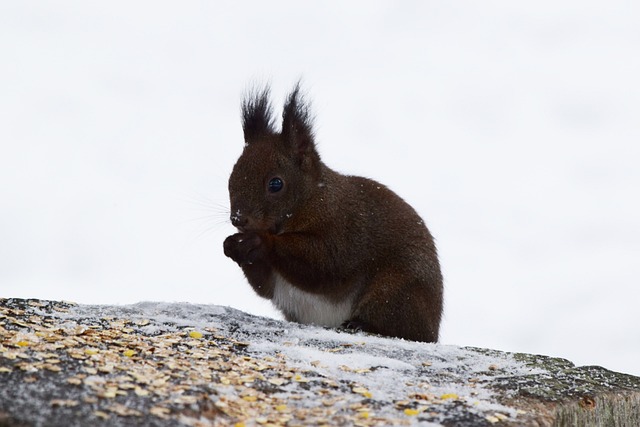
[{"x": 156, "y": 364}]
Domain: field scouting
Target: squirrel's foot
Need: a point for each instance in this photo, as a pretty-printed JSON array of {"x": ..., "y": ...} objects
[{"x": 354, "y": 325}]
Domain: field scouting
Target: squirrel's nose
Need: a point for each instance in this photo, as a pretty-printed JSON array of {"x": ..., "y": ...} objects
[{"x": 238, "y": 220}]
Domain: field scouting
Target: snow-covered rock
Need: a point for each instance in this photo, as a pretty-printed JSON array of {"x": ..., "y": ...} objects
[{"x": 159, "y": 364}]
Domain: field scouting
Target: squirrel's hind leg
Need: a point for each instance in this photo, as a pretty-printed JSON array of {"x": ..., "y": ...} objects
[{"x": 395, "y": 305}]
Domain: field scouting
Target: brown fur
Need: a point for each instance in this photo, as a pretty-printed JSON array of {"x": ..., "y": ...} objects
[{"x": 341, "y": 238}]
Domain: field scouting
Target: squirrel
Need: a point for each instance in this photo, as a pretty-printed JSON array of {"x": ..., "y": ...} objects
[{"x": 326, "y": 248}]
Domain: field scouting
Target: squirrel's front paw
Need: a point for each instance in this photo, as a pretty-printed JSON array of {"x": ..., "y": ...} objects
[{"x": 243, "y": 248}]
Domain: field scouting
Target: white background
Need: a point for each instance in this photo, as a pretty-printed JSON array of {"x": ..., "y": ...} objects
[{"x": 513, "y": 128}]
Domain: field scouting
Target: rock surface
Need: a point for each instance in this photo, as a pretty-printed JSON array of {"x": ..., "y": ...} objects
[{"x": 156, "y": 364}]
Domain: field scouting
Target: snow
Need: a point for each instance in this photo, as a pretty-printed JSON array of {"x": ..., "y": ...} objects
[
  {"x": 394, "y": 368},
  {"x": 512, "y": 129}
]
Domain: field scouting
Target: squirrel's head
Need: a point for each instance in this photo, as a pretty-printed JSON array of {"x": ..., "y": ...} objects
[{"x": 277, "y": 171}]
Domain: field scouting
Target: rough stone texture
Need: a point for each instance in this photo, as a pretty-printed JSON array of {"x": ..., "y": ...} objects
[{"x": 148, "y": 364}]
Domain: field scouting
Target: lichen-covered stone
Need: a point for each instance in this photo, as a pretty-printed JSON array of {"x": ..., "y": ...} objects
[{"x": 154, "y": 364}]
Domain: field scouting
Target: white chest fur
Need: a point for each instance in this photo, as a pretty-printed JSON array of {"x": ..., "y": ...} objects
[{"x": 308, "y": 308}]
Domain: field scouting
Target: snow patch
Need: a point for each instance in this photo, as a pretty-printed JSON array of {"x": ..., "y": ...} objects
[{"x": 389, "y": 368}]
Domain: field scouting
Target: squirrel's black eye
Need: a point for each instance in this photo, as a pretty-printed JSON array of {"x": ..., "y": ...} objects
[{"x": 275, "y": 185}]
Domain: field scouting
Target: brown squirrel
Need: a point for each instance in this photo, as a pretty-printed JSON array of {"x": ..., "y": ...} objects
[{"x": 326, "y": 248}]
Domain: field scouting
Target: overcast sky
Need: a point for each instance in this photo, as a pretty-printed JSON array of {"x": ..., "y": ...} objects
[{"x": 513, "y": 128}]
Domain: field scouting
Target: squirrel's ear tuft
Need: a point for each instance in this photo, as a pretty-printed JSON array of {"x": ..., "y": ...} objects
[
  {"x": 297, "y": 123},
  {"x": 257, "y": 114}
]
